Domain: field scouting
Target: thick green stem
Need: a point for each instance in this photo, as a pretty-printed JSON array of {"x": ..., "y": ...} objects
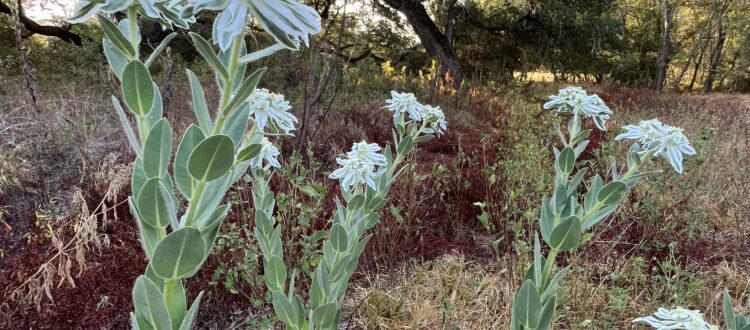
[
  {"x": 195, "y": 198},
  {"x": 226, "y": 93},
  {"x": 133, "y": 25},
  {"x": 548, "y": 266}
]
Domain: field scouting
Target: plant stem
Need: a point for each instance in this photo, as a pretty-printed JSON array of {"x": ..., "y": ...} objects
[
  {"x": 228, "y": 84},
  {"x": 548, "y": 265},
  {"x": 133, "y": 29},
  {"x": 195, "y": 198}
]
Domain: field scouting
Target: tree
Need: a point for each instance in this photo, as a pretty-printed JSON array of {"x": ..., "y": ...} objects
[
  {"x": 436, "y": 43},
  {"x": 62, "y": 32},
  {"x": 667, "y": 9}
]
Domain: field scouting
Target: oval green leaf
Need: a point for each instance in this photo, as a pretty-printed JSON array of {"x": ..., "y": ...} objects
[
  {"x": 137, "y": 88},
  {"x": 212, "y": 158},
  {"x": 612, "y": 192},
  {"x": 338, "y": 238},
  {"x": 566, "y": 234},
  {"x": 155, "y": 204},
  {"x": 157, "y": 150},
  {"x": 185, "y": 182},
  {"x": 566, "y": 160},
  {"x": 179, "y": 254}
]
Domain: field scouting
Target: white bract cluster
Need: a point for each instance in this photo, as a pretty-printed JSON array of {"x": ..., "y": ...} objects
[
  {"x": 289, "y": 21},
  {"x": 166, "y": 12},
  {"x": 575, "y": 100},
  {"x": 401, "y": 103},
  {"x": 268, "y": 153},
  {"x": 660, "y": 139},
  {"x": 266, "y": 105},
  {"x": 360, "y": 166},
  {"x": 678, "y": 318}
]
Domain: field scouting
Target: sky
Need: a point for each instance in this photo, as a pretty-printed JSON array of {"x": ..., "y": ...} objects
[{"x": 48, "y": 10}]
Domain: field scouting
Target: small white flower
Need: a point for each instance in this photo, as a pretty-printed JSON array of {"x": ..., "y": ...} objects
[
  {"x": 678, "y": 318},
  {"x": 269, "y": 153},
  {"x": 368, "y": 152},
  {"x": 404, "y": 102},
  {"x": 266, "y": 105},
  {"x": 667, "y": 141},
  {"x": 360, "y": 166},
  {"x": 574, "y": 100},
  {"x": 435, "y": 117}
]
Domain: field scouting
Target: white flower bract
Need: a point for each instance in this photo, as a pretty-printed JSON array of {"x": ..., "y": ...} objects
[
  {"x": 404, "y": 102},
  {"x": 662, "y": 140},
  {"x": 268, "y": 153},
  {"x": 266, "y": 105},
  {"x": 359, "y": 166},
  {"x": 575, "y": 100},
  {"x": 678, "y": 318},
  {"x": 435, "y": 117}
]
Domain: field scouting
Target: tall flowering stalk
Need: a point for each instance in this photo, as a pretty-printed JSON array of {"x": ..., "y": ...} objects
[
  {"x": 566, "y": 215},
  {"x": 366, "y": 175},
  {"x": 213, "y": 153}
]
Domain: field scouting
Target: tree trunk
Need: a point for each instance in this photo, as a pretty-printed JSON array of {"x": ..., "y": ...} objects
[
  {"x": 434, "y": 42},
  {"x": 715, "y": 60},
  {"x": 667, "y": 13},
  {"x": 695, "y": 70}
]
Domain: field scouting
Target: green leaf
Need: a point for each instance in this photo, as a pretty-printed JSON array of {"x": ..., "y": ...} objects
[
  {"x": 211, "y": 158},
  {"x": 114, "y": 35},
  {"x": 236, "y": 123},
  {"x": 149, "y": 235},
  {"x": 526, "y": 306},
  {"x": 185, "y": 182},
  {"x": 567, "y": 160},
  {"x": 275, "y": 273},
  {"x": 179, "y": 254},
  {"x": 596, "y": 186},
  {"x": 177, "y": 304},
  {"x": 199, "y": 106},
  {"x": 115, "y": 57},
  {"x": 405, "y": 146},
  {"x": 204, "y": 48},
  {"x": 149, "y": 304},
  {"x": 338, "y": 238},
  {"x": 546, "y": 219},
  {"x": 598, "y": 216},
  {"x": 156, "y": 113},
  {"x": 547, "y": 313},
  {"x": 137, "y": 88},
  {"x": 249, "y": 152},
  {"x": 731, "y": 321},
  {"x": 127, "y": 127},
  {"x": 139, "y": 177},
  {"x": 324, "y": 316},
  {"x": 356, "y": 202},
  {"x": 155, "y": 204},
  {"x": 284, "y": 310},
  {"x": 537, "y": 260},
  {"x": 566, "y": 234},
  {"x": 187, "y": 322},
  {"x": 244, "y": 91},
  {"x": 157, "y": 51},
  {"x": 157, "y": 150},
  {"x": 612, "y": 192}
]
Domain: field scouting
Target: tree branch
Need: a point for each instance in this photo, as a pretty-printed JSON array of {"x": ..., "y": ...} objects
[{"x": 48, "y": 30}]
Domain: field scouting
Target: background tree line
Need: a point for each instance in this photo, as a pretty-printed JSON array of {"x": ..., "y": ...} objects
[{"x": 675, "y": 44}]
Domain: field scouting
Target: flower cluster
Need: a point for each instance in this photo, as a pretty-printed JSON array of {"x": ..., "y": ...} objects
[
  {"x": 166, "y": 12},
  {"x": 678, "y": 318},
  {"x": 288, "y": 21},
  {"x": 268, "y": 153},
  {"x": 360, "y": 166},
  {"x": 575, "y": 100},
  {"x": 401, "y": 103},
  {"x": 660, "y": 139},
  {"x": 266, "y": 105}
]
